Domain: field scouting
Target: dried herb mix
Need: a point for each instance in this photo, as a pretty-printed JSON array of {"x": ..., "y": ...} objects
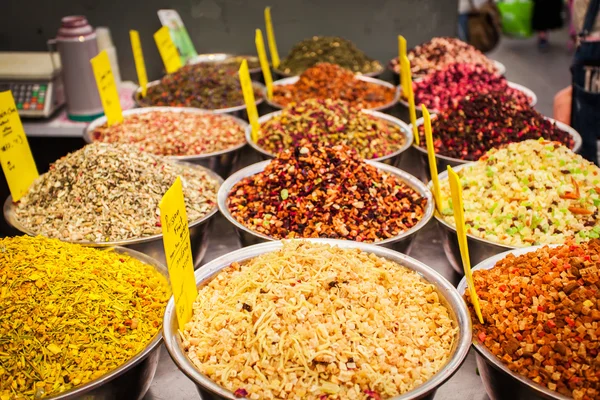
[
  {"x": 325, "y": 192},
  {"x": 174, "y": 133},
  {"x": 71, "y": 314},
  {"x": 480, "y": 122},
  {"x": 329, "y": 81},
  {"x": 329, "y": 49},
  {"x": 330, "y": 122},
  {"x": 105, "y": 192}
]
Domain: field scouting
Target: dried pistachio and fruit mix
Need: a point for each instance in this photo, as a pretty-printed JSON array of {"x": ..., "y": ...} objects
[
  {"x": 312, "y": 321},
  {"x": 71, "y": 314},
  {"x": 110, "y": 192},
  {"x": 330, "y": 192},
  {"x": 527, "y": 193},
  {"x": 330, "y": 122},
  {"x": 541, "y": 314}
]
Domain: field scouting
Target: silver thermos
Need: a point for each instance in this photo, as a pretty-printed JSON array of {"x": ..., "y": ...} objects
[{"x": 76, "y": 44}]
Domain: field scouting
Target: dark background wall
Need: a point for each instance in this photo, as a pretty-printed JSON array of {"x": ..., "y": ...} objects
[{"x": 228, "y": 25}]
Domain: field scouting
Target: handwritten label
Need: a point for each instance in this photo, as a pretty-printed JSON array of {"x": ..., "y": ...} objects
[
  {"x": 248, "y": 92},
  {"x": 401, "y": 55},
  {"x": 168, "y": 51},
  {"x": 109, "y": 95},
  {"x": 15, "y": 155},
  {"x": 271, "y": 38},
  {"x": 178, "y": 250},
  {"x": 431, "y": 156},
  {"x": 461, "y": 233},
  {"x": 264, "y": 62},
  {"x": 138, "y": 57},
  {"x": 407, "y": 77}
]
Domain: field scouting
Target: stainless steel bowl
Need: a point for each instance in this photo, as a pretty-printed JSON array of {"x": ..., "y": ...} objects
[
  {"x": 528, "y": 92},
  {"x": 373, "y": 74},
  {"x": 237, "y": 111},
  {"x": 499, "y": 381},
  {"x": 500, "y": 68},
  {"x": 444, "y": 161},
  {"x": 391, "y": 159},
  {"x": 294, "y": 79},
  {"x": 220, "y": 162},
  {"x": 149, "y": 245},
  {"x": 209, "y": 390},
  {"x": 401, "y": 242},
  {"x": 216, "y": 58},
  {"x": 132, "y": 379}
]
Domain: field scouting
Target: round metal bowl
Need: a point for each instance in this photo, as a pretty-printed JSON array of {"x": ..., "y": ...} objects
[
  {"x": 149, "y": 245},
  {"x": 391, "y": 159},
  {"x": 220, "y": 162},
  {"x": 498, "y": 380},
  {"x": 209, "y": 390},
  {"x": 294, "y": 79},
  {"x": 237, "y": 111},
  {"x": 401, "y": 242},
  {"x": 500, "y": 68},
  {"x": 528, "y": 92},
  {"x": 216, "y": 58},
  {"x": 444, "y": 161},
  {"x": 132, "y": 379},
  {"x": 373, "y": 74}
]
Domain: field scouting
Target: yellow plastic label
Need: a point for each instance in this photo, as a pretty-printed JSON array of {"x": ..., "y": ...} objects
[
  {"x": 410, "y": 95},
  {"x": 109, "y": 95},
  {"x": 401, "y": 55},
  {"x": 271, "y": 38},
  {"x": 264, "y": 62},
  {"x": 167, "y": 49},
  {"x": 15, "y": 155},
  {"x": 248, "y": 92},
  {"x": 138, "y": 57},
  {"x": 431, "y": 156},
  {"x": 178, "y": 251},
  {"x": 461, "y": 233}
]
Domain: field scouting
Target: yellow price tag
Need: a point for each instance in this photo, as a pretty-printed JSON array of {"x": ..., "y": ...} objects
[
  {"x": 401, "y": 55},
  {"x": 167, "y": 49},
  {"x": 109, "y": 95},
  {"x": 461, "y": 233},
  {"x": 178, "y": 251},
  {"x": 15, "y": 155},
  {"x": 248, "y": 92},
  {"x": 271, "y": 38},
  {"x": 138, "y": 57},
  {"x": 264, "y": 63},
  {"x": 407, "y": 77},
  {"x": 431, "y": 156}
]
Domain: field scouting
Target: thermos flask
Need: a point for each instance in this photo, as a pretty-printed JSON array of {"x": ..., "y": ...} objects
[{"x": 76, "y": 44}]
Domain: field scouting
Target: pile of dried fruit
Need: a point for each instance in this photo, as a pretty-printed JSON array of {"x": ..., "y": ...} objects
[
  {"x": 480, "y": 122},
  {"x": 326, "y": 192},
  {"x": 71, "y": 314},
  {"x": 329, "y": 81},
  {"x": 330, "y": 122}
]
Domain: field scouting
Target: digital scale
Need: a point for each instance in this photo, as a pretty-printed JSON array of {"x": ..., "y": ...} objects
[{"x": 35, "y": 80}]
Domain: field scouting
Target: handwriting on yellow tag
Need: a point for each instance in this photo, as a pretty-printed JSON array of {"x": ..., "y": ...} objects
[
  {"x": 167, "y": 49},
  {"x": 138, "y": 57},
  {"x": 407, "y": 77},
  {"x": 15, "y": 155},
  {"x": 248, "y": 92},
  {"x": 264, "y": 62},
  {"x": 401, "y": 55},
  {"x": 109, "y": 95},
  {"x": 461, "y": 233},
  {"x": 178, "y": 251},
  {"x": 271, "y": 38},
  {"x": 431, "y": 157}
]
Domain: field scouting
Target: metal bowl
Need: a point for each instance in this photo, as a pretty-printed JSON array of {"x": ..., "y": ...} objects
[
  {"x": 373, "y": 74},
  {"x": 149, "y": 245},
  {"x": 132, "y": 379},
  {"x": 401, "y": 242},
  {"x": 220, "y": 162},
  {"x": 237, "y": 111},
  {"x": 444, "y": 161},
  {"x": 391, "y": 159},
  {"x": 294, "y": 79},
  {"x": 528, "y": 92},
  {"x": 216, "y": 58},
  {"x": 209, "y": 390},
  {"x": 500, "y": 68},
  {"x": 498, "y": 380}
]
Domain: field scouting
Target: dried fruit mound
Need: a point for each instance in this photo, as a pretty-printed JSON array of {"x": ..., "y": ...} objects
[
  {"x": 325, "y": 192},
  {"x": 542, "y": 316}
]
